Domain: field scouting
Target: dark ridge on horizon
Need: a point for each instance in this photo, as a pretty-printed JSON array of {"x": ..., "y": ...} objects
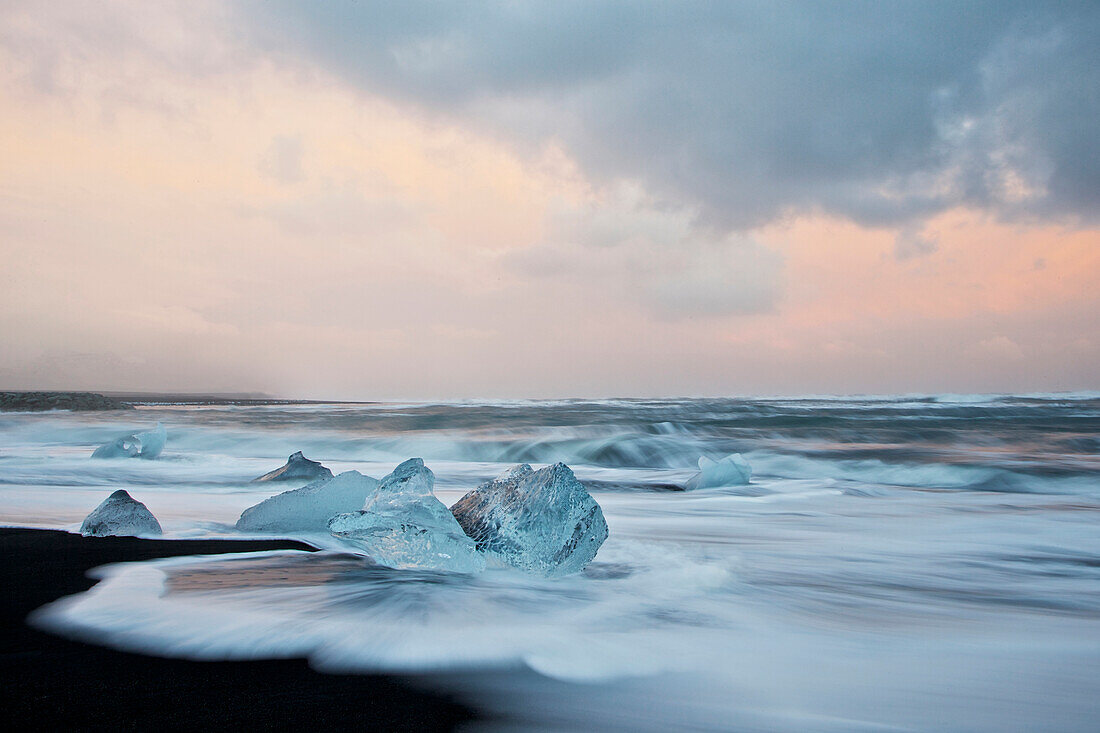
[
  {"x": 219, "y": 398},
  {"x": 38, "y": 401},
  {"x": 41, "y": 400}
]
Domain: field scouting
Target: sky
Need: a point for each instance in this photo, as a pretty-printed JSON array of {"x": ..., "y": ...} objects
[{"x": 419, "y": 200}]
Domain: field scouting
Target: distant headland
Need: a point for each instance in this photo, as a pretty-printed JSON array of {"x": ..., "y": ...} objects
[{"x": 34, "y": 401}]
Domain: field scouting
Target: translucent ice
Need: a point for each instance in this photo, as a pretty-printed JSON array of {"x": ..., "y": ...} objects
[
  {"x": 733, "y": 470},
  {"x": 122, "y": 515},
  {"x": 297, "y": 467},
  {"x": 126, "y": 446},
  {"x": 152, "y": 441},
  {"x": 309, "y": 508},
  {"x": 403, "y": 525},
  {"x": 542, "y": 521},
  {"x": 147, "y": 444}
]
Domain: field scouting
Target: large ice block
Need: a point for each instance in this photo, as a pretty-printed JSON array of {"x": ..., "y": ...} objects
[
  {"x": 309, "y": 508},
  {"x": 403, "y": 525},
  {"x": 542, "y": 521}
]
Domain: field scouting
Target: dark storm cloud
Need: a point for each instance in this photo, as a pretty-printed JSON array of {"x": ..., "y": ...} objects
[{"x": 884, "y": 112}]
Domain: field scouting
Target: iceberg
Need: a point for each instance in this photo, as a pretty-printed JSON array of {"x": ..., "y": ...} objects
[
  {"x": 152, "y": 441},
  {"x": 297, "y": 467},
  {"x": 541, "y": 521},
  {"x": 123, "y": 447},
  {"x": 147, "y": 444},
  {"x": 309, "y": 508},
  {"x": 120, "y": 515},
  {"x": 403, "y": 525},
  {"x": 733, "y": 470}
]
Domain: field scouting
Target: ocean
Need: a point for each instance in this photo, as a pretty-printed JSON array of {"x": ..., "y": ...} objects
[{"x": 918, "y": 562}]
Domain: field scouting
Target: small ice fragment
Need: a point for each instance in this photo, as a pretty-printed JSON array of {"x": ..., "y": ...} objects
[
  {"x": 120, "y": 515},
  {"x": 147, "y": 444},
  {"x": 733, "y": 470},
  {"x": 126, "y": 446},
  {"x": 542, "y": 521},
  {"x": 309, "y": 508},
  {"x": 297, "y": 467},
  {"x": 403, "y": 525},
  {"x": 152, "y": 441}
]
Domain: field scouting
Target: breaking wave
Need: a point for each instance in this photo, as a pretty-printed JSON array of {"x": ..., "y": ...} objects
[{"x": 909, "y": 562}]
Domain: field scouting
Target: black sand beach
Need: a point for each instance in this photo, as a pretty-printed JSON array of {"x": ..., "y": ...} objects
[{"x": 51, "y": 682}]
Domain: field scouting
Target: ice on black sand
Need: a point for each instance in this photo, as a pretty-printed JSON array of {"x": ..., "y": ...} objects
[
  {"x": 120, "y": 515},
  {"x": 403, "y": 525},
  {"x": 541, "y": 521}
]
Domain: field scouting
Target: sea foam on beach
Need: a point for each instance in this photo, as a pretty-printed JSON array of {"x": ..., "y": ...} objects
[{"x": 919, "y": 562}]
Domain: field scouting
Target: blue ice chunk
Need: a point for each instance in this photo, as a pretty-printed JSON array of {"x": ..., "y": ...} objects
[
  {"x": 541, "y": 521},
  {"x": 403, "y": 525}
]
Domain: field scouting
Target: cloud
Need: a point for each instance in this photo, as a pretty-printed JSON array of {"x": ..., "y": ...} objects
[
  {"x": 563, "y": 202},
  {"x": 885, "y": 113},
  {"x": 174, "y": 319},
  {"x": 462, "y": 333},
  {"x": 139, "y": 40},
  {"x": 910, "y": 243},
  {"x": 998, "y": 348},
  {"x": 283, "y": 159},
  {"x": 630, "y": 247},
  {"x": 717, "y": 279}
]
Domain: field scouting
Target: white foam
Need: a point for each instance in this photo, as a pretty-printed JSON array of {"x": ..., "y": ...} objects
[{"x": 847, "y": 593}]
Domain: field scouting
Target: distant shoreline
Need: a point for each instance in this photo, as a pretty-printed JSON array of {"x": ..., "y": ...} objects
[
  {"x": 170, "y": 398},
  {"x": 42, "y": 400}
]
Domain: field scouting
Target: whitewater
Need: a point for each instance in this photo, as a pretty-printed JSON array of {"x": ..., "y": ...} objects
[{"x": 918, "y": 562}]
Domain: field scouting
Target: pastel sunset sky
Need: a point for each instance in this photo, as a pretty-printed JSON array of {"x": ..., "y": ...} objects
[{"x": 423, "y": 200}]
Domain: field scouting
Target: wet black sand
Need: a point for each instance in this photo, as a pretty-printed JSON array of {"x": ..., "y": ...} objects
[{"x": 51, "y": 682}]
